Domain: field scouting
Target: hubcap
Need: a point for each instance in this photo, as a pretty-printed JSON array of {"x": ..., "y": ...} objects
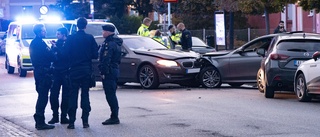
[
  {"x": 146, "y": 77},
  {"x": 300, "y": 87},
  {"x": 211, "y": 78}
]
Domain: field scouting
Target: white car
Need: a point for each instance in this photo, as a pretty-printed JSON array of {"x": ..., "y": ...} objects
[{"x": 307, "y": 79}]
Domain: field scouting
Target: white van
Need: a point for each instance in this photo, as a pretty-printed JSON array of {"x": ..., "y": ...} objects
[{"x": 19, "y": 37}]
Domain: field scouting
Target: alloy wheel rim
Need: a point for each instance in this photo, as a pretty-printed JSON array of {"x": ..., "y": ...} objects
[
  {"x": 146, "y": 77},
  {"x": 300, "y": 87},
  {"x": 211, "y": 78},
  {"x": 260, "y": 85}
]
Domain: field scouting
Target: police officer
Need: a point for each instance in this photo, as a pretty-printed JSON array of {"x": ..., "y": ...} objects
[
  {"x": 81, "y": 49},
  {"x": 157, "y": 37},
  {"x": 110, "y": 57},
  {"x": 174, "y": 37},
  {"x": 60, "y": 78},
  {"x": 144, "y": 28},
  {"x": 186, "y": 38},
  {"x": 41, "y": 56}
]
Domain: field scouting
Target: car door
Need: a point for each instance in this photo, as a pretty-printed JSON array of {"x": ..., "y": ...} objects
[
  {"x": 128, "y": 65},
  {"x": 245, "y": 62},
  {"x": 313, "y": 82}
]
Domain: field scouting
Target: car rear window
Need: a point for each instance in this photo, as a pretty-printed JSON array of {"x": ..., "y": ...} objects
[
  {"x": 96, "y": 29},
  {"x": 299, "y": 45}
]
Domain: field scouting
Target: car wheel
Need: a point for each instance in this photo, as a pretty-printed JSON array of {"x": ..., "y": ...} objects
[
  {"x": 259, "y": 81},
  {"x": 10, "y": 69},
  {"x": 148, "y": 77},
  {"x": 301, "y": 89},
  {"x": 268, "y": 92},
  {"x": 210, "y": 77},
  {"x": 235, "y": 84},
  {"x": 22, "y": 72}
]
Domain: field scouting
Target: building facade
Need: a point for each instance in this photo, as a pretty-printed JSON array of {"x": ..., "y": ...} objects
[
  {"x": 10, "y": 9},
  {"x": 294, "y": 17}
]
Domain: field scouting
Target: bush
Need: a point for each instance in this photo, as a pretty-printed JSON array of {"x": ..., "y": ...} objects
[{"x": 127, "y": 24}]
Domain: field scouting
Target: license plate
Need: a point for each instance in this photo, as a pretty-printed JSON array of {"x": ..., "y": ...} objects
[
  {"x": 194, "y": 70},
  {"x": 298, "y": 62}
]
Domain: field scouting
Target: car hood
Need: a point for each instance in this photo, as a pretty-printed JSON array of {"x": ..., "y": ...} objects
[
  {"x": 218, "y": 53},
  {"x": 167, "y": 54}
]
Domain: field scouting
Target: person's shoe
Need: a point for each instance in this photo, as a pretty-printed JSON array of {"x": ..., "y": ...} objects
[
  {"x": 44, "y": 127},
  {"x": 86, "y": 125},
  {"x": 111, "y": 121},
  {"x": 54, "y": 120},
  {"x": 64, "y": 120},
  {"x": 70, "y": 126}
]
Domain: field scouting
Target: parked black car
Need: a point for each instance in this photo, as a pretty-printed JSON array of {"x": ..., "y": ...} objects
[
  {"x": 234, "y": 67},
  {"x": 286, "y": 52},
  {"x": 149, "y": 63}
]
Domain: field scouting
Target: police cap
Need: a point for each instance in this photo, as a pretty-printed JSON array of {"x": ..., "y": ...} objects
[{"x": 108, "y": 27}]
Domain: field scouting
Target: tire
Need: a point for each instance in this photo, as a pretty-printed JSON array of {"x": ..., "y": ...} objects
[
  {"x": 235, "y": 84},
  {"x": 148, "y": 77},
  {"x": 301, "y": 89},
  {"x": 210, "y": 77},
  {"x": 10, "y": 70},
  {"x": 260, "y": 81},
  {"x": 22, "y": 72},
  {"x": 268, "y": 92}
]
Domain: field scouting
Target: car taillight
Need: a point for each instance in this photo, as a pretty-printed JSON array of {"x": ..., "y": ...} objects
[{"x": 278, "y": 57}]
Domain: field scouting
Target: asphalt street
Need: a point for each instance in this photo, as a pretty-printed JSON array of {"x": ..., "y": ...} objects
[{"x": 170, "y": 111}]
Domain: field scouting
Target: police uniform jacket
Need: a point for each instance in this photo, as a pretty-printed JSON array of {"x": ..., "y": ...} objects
[
  {"x": 110, "y": 53},
  {"x": 143, "y": 31},
  {"x": 62, "y": 61},
  {"x": 81, "y": 48},
  {"x": 186, "y": 40},
  {"x": 41, "y": 54}
]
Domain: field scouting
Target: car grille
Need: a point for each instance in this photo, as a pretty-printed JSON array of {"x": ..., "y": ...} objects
[
  {"x": 191, "y": 64},
  {"x": 26, "y": 60}
]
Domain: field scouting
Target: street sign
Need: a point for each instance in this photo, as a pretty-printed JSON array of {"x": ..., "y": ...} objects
[
  {"x": 220, "y": 28},
  {"x": 172, "y": 1},
  {"x": 43, "y": 9}
]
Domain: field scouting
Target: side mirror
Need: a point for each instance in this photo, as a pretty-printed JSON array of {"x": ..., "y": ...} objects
[
  {"x": 261, "y": 52},
  {"x": 316, "y": 55},
  {"x": 123, "y": 53}
]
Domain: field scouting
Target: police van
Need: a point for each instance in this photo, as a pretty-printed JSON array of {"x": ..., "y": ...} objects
[{"x": 19, "y": 36}]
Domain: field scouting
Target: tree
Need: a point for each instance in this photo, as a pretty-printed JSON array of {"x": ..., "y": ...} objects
[
  {"x": 144, "y": 7},
  {"x": 108, "y": 8},
  {"x": 310, "y": 5}
]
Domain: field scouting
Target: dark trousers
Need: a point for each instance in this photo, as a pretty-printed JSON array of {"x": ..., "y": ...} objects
[
  {"x": 79, "y": 79},
  {"x": 110, "y": 87},
  {"x": 43, "y": 82},
  {"x": 60, "y": 79}
]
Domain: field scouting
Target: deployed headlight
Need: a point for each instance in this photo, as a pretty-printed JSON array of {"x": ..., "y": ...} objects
[{"x": 167, "y": 63}]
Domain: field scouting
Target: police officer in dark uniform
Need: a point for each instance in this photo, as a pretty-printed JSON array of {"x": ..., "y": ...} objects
[
  {"x": 60, "y": 78},
  {"x": 41, "y": 57},
  {"x": 110, "y": 57},
  {"x": 186, "y": 38},
  {"x": 81, "y": 48}
]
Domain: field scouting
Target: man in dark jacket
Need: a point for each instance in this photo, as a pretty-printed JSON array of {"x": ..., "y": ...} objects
[
  {"x": 110, "y": 58},
  {"x": 280, "y": 28},
  {"x": 60, "y": 78},
  {"x": 81, "y": 49},
  {"x": 41, "y": 57},
  {"x": 186, "y": 38}
]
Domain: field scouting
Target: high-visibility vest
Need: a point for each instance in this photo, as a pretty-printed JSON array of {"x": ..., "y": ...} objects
[{"x": 143, "y": 31}]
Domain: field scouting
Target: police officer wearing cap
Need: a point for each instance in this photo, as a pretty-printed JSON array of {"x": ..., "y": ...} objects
[
  {"x": 41, "y": 56},
  {"x": 81, "y": 48},
  {"x": 110, "y": 57}
]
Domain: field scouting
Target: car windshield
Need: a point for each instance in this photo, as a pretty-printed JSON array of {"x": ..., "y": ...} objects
[
  {"x": 96, "y": 29},
  {"x": 27, "y": 31},
  {"x": 198, "y": 42},
  {"x": 142, "y": 43},
  {"x": 299, "y": 45}
]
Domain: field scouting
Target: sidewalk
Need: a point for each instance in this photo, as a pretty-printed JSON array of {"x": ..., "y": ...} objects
[{"x": 10, "y": 129}]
